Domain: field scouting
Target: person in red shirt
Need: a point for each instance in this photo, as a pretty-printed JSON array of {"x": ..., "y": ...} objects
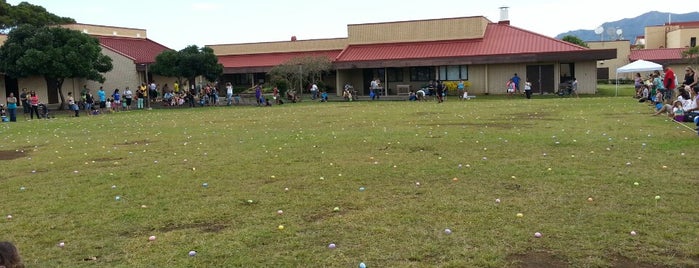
[{"x": 669, "y": 82}]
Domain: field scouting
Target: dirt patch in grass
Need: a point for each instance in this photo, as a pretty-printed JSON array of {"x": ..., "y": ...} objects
[
  {"x": 207, "y": 227},
  {"x": 483, "y": 125},
  {"x": 135, "y": 142},
  {"x": 321, "y": 216},
  {"x": 12, "y": 154},
  {"x": 107, "y": 159},
  {"x": 536, "y": 260},
  {"x": 624, "y": 262},
  {"x": 535, "y": 116}
]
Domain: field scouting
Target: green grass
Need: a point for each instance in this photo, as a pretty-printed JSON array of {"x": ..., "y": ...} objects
[{"x": 542, "y": 157}]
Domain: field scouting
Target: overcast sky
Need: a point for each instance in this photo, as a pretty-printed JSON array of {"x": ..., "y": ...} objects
[{"x": 178, "y": 23}]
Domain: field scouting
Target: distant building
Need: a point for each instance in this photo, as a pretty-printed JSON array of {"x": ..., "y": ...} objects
[
  {"x": 408, "y": 54},
  {"x": 661, "y": 44},
  {"x": 131, "y": 52}
]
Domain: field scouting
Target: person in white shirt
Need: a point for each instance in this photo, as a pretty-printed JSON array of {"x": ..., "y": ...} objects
[{"x": 229, "y": 93}]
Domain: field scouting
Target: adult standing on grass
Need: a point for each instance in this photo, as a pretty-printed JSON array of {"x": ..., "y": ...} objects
[
  {"x": 89, "y": 101},
  {"x": 34, "y": 102},
  {"x": 258, "y": 95},
  {"x": 141, "y": 94},
  {"x": 83, "y": 96},
  {"x": 528, "y": 89},
  {"x": 24, "y": 98},
  {"x": 229, "y": 94},
  {"x": 152, "y": 91},
  {"x": 669, "y": 81},
  {"x": 9, "y": 256},
  {"x": 440, "y": 91},
  {"x": 12, "y": 107},
  {"x": 103, "y": 98},
  {"x": 117, "y": 99},
  {"x": 128, "y": 97}
]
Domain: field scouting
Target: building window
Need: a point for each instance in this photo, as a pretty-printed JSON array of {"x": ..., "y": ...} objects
[
  {"x": 394, "y": 74},
  {"x": 692, "y": 42},
  {"x": 421, "y": 73},
  {"x": 453, "y": 72}
]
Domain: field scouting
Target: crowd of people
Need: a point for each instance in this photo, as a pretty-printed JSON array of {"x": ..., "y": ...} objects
[{"x": 668, "y": 96}]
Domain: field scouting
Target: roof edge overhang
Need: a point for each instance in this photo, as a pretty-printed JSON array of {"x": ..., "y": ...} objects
[
  {"x": 581, "y": 55},
  {"x": 247, "y": 70},
  {"x": 576, "y": 55}
]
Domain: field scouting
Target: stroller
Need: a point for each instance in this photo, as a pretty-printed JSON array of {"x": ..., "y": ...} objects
[{"x": 43, "y": 111}]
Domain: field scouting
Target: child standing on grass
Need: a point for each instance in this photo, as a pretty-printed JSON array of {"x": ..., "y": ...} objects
[{"x": 108, "y": 104}]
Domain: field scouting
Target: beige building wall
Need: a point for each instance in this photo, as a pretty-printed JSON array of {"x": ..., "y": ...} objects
[
  {"x": 122, "y": 75},
  {"x": 623, "y": 50},
  {"x": 36, "y": 84},
  {"x": 415, "y": 31},
  {"x": 681, "y": 38},
  {"x": 352, "y": 76},
  {"x": 107, "y": 30},
  {"x": 282, "y": 46},
  {"x": 655, "y": 37},
  {"x": 586, "y": 73}
]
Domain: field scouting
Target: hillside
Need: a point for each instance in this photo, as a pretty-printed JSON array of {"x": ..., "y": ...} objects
[{"x": 631, "y": 27}]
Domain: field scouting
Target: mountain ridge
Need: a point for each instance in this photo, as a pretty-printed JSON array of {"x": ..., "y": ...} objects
[{"x": 630, "y": 27}]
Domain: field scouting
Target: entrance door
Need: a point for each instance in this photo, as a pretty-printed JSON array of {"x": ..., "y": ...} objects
[
  {"x": 541, "y": 77},
  {"x": 11, "y": 85}
]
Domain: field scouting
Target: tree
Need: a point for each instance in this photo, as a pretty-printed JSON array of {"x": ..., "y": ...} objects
[
  {"x": 301, "y": 70},
  {"x": 575, "y": 40},
  {"x": 188, "y": 63},
  {"x": 692, "y": 55},
  {"x": 55, "y": 53},
  {"x": 26, "y": 13}
]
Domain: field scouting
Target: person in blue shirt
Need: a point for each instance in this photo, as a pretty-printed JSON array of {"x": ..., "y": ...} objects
[
  {"x": 324, "y": 96},
  {"x": 103, "y": 98},
  {"x": 515, "y": 80},
  {"x": 117, "y": 100}
]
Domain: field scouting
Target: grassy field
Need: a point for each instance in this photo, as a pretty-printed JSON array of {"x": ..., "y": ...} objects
[{"x": 382, "y": 181}]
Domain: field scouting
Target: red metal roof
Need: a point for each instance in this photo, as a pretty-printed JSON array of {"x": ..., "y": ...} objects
[
  {"x": 499, "y": 39},
  {"x": 660, "y": 54},
  {"x": 140, "y": 50},
  {"x": 270, "y": 59}
]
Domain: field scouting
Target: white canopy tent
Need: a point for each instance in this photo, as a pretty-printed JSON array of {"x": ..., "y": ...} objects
[{"x": 636, "y": 66}]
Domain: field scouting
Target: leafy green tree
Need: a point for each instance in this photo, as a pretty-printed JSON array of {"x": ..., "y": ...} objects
[
  {"x": 188, "y": 63},
  {"x": 300, "y": 71},
  {"x": 55, "y": 53},
  {"x": 692, "y": 55},
  {"x": 26, "y": 13},
  {"x": 575, "y": 40}
]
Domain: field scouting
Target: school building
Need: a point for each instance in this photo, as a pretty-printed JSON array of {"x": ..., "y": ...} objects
[
  {"x": 130, "y": 50},
  {"x": 406, "y": 55}
]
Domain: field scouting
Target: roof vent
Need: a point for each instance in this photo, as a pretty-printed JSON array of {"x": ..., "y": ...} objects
[
  {"x": 293, "y": 38},
  {"x": 504, "y": 15}
]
